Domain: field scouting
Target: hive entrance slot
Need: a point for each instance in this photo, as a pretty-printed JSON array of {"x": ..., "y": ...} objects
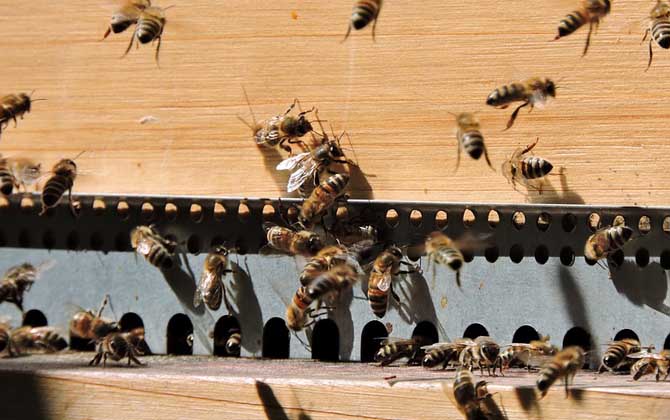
[
  {"x": 35, "y": 318},
  {"x": 475, "y": 330},
  {"x": 326, "y": 341},
  {"x": 525, "y": 334},
  {"x": 626, "y": 333},
  {"x": 427, "y": 331},
  {"x": 227, "y": 337},
  {"x": 371, "y": 339},
  {"x": 276, "y": 339},
  {"x": 180, "y": 335}
]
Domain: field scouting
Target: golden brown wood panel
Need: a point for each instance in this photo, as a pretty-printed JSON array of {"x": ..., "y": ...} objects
[{"x": 607, "y": 127}]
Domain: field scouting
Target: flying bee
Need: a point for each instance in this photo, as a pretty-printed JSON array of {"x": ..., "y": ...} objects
[
  {"x": 150, "y": 25},
  {"x": 299, "y": 311},
  {"x": 659, "y": 26},
  {"x": 482, "y": 352},
  {"x": 564, "y": 365},
  {"x": 651, "y": 363},
  {"x": 280, "y": 129},
  {"x": 467, "y": 395},
  {"x": 7, "y": 179},
  {"x": 443, "y": 250},
  {"x": 333, "y": 282},
  {"x": 616, "y": 355},
  {"x": 591, "y": 12},
  {"x": 393, "y": 349},
  {"x": 116, "y": 346},
  {"x": 606, "y": 241},
  {"x": 365, "y": 11},
  {"x": 292, "y": 242},
  {"x": 126, "y": 15},
  {"x": 158, "y": 251},
  {"x": 24, "y": 171},
  {"x": 61, "y": 179},
  {"x": 324, "y": 260},
  {"x": 322, "y": 198},
  {"x": 444, "y": 353},
  {"x": 13, "y": 106},
  {"x": 35, "y": 340},
  {"x": 470, "y": 138},
  {"x": 211, "y": 289},
  {"x": 18, "y": 280},
  {"x": 380, "y": 283},
  {"x": 532, "y": 92},
  {"x": 528, "y": 171},
  {"x": 520, "y": 354},
  {"x": 92, "y": 326}
]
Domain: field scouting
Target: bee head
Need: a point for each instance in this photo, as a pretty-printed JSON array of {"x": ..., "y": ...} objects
[
  {"x": 335, "y": 150},
  {"x": 220, "y": 250},
  {"x": 302, "y": 126},
  {"x": 491, "y": 352},
  {"x": 608, "y": 6},
  {"x": 314, "y": 244},
  {"x": 232, "y": 346},
  {"x": 550, "y": 88}
]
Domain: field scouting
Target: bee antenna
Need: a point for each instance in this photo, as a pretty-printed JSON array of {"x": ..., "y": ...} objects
[
  {"x": 79, "y": 155},
  {"x": 250, "y": 109},
  {"x": 344, "y": 133},
  {"x": 169, "y": 7}
]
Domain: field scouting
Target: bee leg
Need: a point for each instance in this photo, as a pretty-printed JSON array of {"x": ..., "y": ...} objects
[
  {"x": 130, "y": 45},
  {"x": 530, "y": 146},
  {"x": 347, "y": 34},
  {"x": 158, "y": 50},
  {"x": 95, "y": 360},
  {"x": 394, "y": 294},
  {"x": 512, "y": 118},
  {"x": 104, "y": 359},
  {"x": 135, "y": 360},
  {"x": 290, "y": 108},
  {"x": 488, "y": 160},
  {"x": 287, "y": 148},
  {"x": 458, "y": 156},
  {"x": 107, "y": 32},
  {"x": 588, "y": 39},
  {"x": 651, "y": 53},
  {"x": 374, "y": 27}
]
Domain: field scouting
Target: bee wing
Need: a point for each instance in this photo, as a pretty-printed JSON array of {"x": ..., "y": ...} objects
[
  {"x": 471, "y": 242},
  {"x": 301, "y": 175},
  {"x": 395, "y": 340},
  {"x": 291, "y": 162},
  {"x": 144, "y": 246},
  {"x": 442, "y": 345},
  {"x": 645, "y": 355},
  {"x": 197, "y": 297},
  {"x": 385, "y": 283}
]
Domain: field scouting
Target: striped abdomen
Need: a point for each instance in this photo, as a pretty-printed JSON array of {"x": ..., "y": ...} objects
[
  {"x": 473, "y": 143},
  {"x": 392, "y": 352},
  {"x": 365, "y": 11},
  {"x": 323, "y": 197},
  {"x": 617, "y": 236},
  {"x": 548, "y": 375},
  {"x": 314, "y": 268},
  {"x": 436, "y": 356},
  {"x": 643, "y": 367},
  {"x": 301, "y": 299},
  {"x": 159, "y": 256},
  {"x": 280, "y": 238},
  {"x": 616, "y": 354},
  {"x": 535, "y": 167},
  {"x": 7, "y": 179},
  {"x": 451, "y": 257},
  {"x": 378, "y": 298},
  {"x": 506, "y": 94},
  {"x": 149, "y": 27},
  {"x": 54, "y": 189},
  {"x": 233, "y": 343},
  {"x": 324, "y": 284},
  {"x": 571, "y": 23},
  {"x": 660, "y": 32}
]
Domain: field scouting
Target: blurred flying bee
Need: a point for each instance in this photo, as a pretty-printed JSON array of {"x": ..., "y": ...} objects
[
  {"x": 444, "y": 353},
  {"x": 350, "y": 233},
  {"x": 157, "y": 250},
  {"x": 616, "y": 355},
  {"x": 61, "y": 179},
  {"x": 533, "y": 92},
  {"x": 280, "y": 129},
  {"x": 591, "y": 12},
  {"x": 528, "y": 171},
  {"x": 365, "y": 11},
  {"x": 126, "y": 16},
  {"x": 92, "y": 326},
  {"x": 659, "y": 26},
  {"x": 470, "y": 138},
  {"x": 13, "y": 106},
  {"x": 380, "y": 283},
  {"x": 321, "y": 263},
  {"x": 18, "y": 280},
  {"x": 651, "y": 363},
  {"x": 473, "y": 400},
  {"x": 443, "y": 250},
  {"x": 35, "y": 340},
  {"x": 564, "y": 365},
  {"x": 18, "y": 173},
  {"x": 322, "y": 198},
  {"x": 331, "y": 283},
  {"x": 482, "y": 352},
  {"x": 393, "y": 349},
  {"x": 522, "y": 354},
  {"x": 292, "y": 242},
  {"x": 299, "y": 312},
  {"x": 211, "y": 289},
  {"x": 116, "y": 346},
  {"x": 150, "y": 25},
  {"x": 606, "y": 241}
]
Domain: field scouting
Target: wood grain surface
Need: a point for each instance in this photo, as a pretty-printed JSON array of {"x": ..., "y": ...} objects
[
  {"x": 195, "y": 388},
  {"x": 607, "y": 127}
]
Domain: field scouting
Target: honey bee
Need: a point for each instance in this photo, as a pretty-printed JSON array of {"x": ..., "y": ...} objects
[
  {"x": 444, "y": 353},
  {"x": 651, "y": 363},
  {"x": 393, "y": 349},
  {"x": 532, "y": 92},
  {"x": 211, "y": 289},
  {"x": 616, "y": 355},
  {"x": 520, "y": 354},
  {"x": 322, "y": 198},
  {"x": 565, "y": 365},
  {"x": 280, "y": 129},
  {"x": 298, "y": 310},
  {"x": 606, "y": 241},
  {"x": 365, "y": 11},
  {"x": 321, "y": 263},
  {"x": 35, "y": 340},
  {"x": 470, "y": 138},
  {"x": 150, "y": 25},
  {"x": 292, "y": 242},
  {"x": 7, "y": 179},
  {"x": 91, "y": 326},
  {"x": 13, "y": 106},
  {"x": 18, "y": 280},
  {"x": 5, "y": 330},
  {"x": 233, "y": 343},
  {"x": 380, "y": 283},
  {"x": 157, "y": 250},
  {"x": 528, "y": 171},
  {"x": 467, "y": 395},
  {"x": 659, "y": 26},
  {"x": 591, "y": 11},
  {"x": 136, "y": 339},
  {"x": 116, "y": 346},
  {"x": 126, "y": 15},
  {"x": 18, "y": 173},
  {"x": 482, "y": 352},
  {"x": 62, "y": 179},
  {"x": 333, "y": 281},
  {"x": 349, "y": 233},
  {"x": 448, "y": 252}
]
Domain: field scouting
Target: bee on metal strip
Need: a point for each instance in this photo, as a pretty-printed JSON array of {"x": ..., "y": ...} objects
[
  {"x": 211, "y": 289},
  {"x": 292, "y": 242},
  {"x": 591, "y": 12},
  {"x": 605, "y": 241},
  {"x": 532, "y": 92},
  {"x": 526, "y": 170},
  {"x": 61, "y": 179},
  {"x": 659, "y": 27},
  {"x": 126, "y": 16},
  {"x": 380, "y": 283},
  {"x": 322, "y": 198},
  {"x": 364, "y": 13}
]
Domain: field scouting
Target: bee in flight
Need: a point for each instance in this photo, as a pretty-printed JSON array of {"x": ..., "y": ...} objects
[
  {"x": 659, "y": 27},
  {"x": 470, "y": 138},
  {"x": 331, "y": 283},
  {"x": 116, "y": 346},
  {"x": 18, "y": 280},
  {"x": 211, "y": 289},
  {"x": 157, "y": 250},
  {"x": 533, "y": 92},
  {"x": 365, "y": 11},
  {"x": 15, "y": 106},
  {"x": 92, "y": 326},
  {"x": 150, "y": 27},
  {"x": 126, "y": 16},
  {"x": 17, "y": 173},
  {"x": 651, "y": 363},
  {"x": 280, "y": 129},
  {"x": 526, "y": 170},
  {"x": 564, "y": 365},
  {"x": 605, "y": 241},
  {"x": 473, "y": 399},
  {"x": 322, "y": 198},
  {"x": 61, "y": 179},
  {"x": 380, "y": 283},
  {"x": 443, "y": 250},
  {"x": 591, "y": 12},
  {"x": 35, "y": 340}
]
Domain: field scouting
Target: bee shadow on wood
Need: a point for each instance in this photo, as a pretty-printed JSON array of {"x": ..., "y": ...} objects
[
  {"x": 273, "y": 409},
  {"x": 271, "y": 158},
  {"x": 552, "y": 196},
  {"x": 358, "y": 184},
  {"x": 248, "y": 308},
  {"x": 23, "y": 399},
  {"x": 345, "y": 323},
  {"x": 647, "y": 286}
]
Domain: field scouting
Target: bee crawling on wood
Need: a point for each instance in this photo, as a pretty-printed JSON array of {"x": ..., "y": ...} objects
[
  {"x": 659, "y": 27},
  {"x": 651, "y": 363},
  {"x": 26, "y": 340},
  {"x": 60, "y": 179},
  {"x": 444, "y": 353},
  {"x": 481, "y": 352},
  {"x": 393, "y": 349},
  {"x": 150, "y": 26},
  {"x": 591, "y": 12},
  {"x": 470, "y": 138},
  {"x": 92, "y": 326},
  {"x": 617, "y": 355},
  {"x": 533, "y": 92},
  {"x": 116, "y": 346},
  {"x": 528, "y": 171},
  {"x": 364, "y": 13}
]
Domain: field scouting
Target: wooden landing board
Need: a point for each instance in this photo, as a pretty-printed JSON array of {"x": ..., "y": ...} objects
[
  {"x": 209, "y": 388},
  {"x": 608, "y": 127}
]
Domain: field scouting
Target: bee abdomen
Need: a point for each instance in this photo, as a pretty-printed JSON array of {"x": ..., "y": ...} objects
[
  {"x": 365, "y": 11},
  {"x": 548, "y": 376},
  {"x": 535, "y": 167},
  {"x": 473, "y": 143},
  {"x": 450, "y": 257},
  {"x": 378, "y": 301},
  {"x": 7, "y": 181},
  {"x": 54, "y": 189},
  {"x": 571, "y": 23},
  {"x": 148, "y": 30},
  {"x": 660, "y": 31},
  {"x": 618, "y": 236},
  {"x": 321, "y": 286},
  {"x": 336, "y": 183},
  {"x": 614, "y": 355},
  {"x": 159, "y": 257},
  {"x": 506, "y": 94}
]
